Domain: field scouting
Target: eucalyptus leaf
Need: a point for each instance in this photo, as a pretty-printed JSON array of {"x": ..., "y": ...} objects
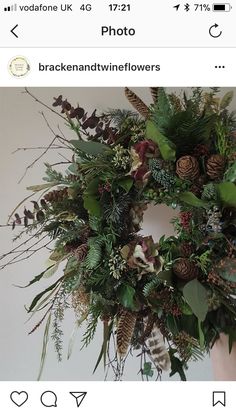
[
  {"x": 90, "y": 147},
  {"x": 227, "y": 193},
  {"x": 167, "y": 148},
  {"x": 36, "y": 279},
  {"x": 230, "y": 174},
  {"x": 38, "y": 297},
  {"x": 192, "y": 200},
  {"x": 126, "y": 295},
  {"x": 45, "y": 344},
  {"x": 92, "y": 205},
  {"x": 201, "y": 335},
  {"x": 196, "y": 296},
  {"x": 126, "y": 183},
  {"x": 147, "y": 369},
  {"x": 39, "y": 187}
]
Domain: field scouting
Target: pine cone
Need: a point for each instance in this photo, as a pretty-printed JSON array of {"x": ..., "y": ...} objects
[
  {"x": 56, "y": 195},
  {"x": 187, "y": 168},
  {"x": 185, "y": 269},
  {"x": 154, "y": 93},
  {"x": 125, "y": 331},
  {"x": 137, "y": 103},
  {"x": 196, "y": 189},
  {"x": 81, "y": 252},
  {"x": 186, "y": 249},
  {"x": 215, "y": 166}
]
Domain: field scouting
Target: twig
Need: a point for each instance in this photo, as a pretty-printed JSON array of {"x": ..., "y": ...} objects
[
  {"x": 43, "y": 104},
  {"x": 38, "y": 148},
  {"x": 37, "y": 159},
  {"x": 20, "y": 245},
  {"x": 60, "y": 138},
  {"x": 17, "y": 259}
]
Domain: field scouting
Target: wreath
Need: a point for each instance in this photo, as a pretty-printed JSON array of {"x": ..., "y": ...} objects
[{"x": 169, "y": 300}]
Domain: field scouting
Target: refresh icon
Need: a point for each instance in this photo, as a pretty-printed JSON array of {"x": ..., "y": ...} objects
[{"x": 213, "y": 32}]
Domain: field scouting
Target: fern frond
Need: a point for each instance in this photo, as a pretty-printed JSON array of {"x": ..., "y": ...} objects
[
  {"x": 151, "y": 286},
  {"x": 120, "y": 116},
  {"x": 94, "y": 255}
]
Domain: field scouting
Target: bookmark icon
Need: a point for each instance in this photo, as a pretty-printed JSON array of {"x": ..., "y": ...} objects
[{"x": 79, "y": 397}]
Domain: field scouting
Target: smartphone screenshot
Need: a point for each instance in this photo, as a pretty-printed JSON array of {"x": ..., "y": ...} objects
[{"x": 118, "y": 208}]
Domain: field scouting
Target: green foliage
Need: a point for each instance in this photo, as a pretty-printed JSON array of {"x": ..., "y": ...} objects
[
  {"x": 196, "y": 296},
  {"x": 166, "y": 147},
  {"x": 151, "y": 285},
  {"x": 126, "y": 296},
  {"x": 162, "y": 110},
  {"x": 94, "y": 255},
  {"x": 230, "y": 175},
  {"x": 192, "y": 200},
  {"x": 227, "y": 193},
  {"x": 147, "y": 369},
  {"x": 90, "y": 147},
  {"x": 176, "y": 366}
]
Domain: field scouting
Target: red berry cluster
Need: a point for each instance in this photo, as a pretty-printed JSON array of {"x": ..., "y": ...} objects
[
  {"x": 104, "y": 188},
  {"x": 185, "y": 218}
]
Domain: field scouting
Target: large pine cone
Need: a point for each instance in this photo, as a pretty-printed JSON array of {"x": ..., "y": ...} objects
[
  {"x": 215, "y": 166},
  {"x": 187, "y": 168},
  {"x": 125, "y": 331},
  {"x": 186, "y": 269},
  {"x": 56, "y": 195}
]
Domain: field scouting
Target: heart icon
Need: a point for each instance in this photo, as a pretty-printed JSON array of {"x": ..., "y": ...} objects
[{"x": 19, "y": 398}]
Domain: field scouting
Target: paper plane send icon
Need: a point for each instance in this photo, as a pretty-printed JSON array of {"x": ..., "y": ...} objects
[
  {"x": 79, "y": 397},
  {"x": 177, "y": 7}
]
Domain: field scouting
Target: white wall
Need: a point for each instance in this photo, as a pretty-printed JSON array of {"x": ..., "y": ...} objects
[{"x": 22, "y": 125}]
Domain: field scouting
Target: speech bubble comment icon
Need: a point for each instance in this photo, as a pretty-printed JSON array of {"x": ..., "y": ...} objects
[
  {"x": 219, "y": 398},
  {"x": 49, "y": 399},
  {"x": 79, "y": 397}
]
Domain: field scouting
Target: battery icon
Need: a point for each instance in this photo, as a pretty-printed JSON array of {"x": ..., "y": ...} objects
[{"x": 221, "y": 7}]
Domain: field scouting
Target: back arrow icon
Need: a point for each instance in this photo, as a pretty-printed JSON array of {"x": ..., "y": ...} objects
[
  {"x": 12, "y": 31},
  {"x": 211, "y": 31}
]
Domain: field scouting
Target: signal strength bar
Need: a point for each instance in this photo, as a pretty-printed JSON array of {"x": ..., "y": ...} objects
[{"x": 12, "y": 8}]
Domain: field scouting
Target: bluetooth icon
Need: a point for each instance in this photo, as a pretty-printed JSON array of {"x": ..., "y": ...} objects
[{"x": 187, "y": 7}]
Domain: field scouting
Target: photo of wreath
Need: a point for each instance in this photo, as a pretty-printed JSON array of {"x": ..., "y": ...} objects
[{"x": 169, "y": 300}]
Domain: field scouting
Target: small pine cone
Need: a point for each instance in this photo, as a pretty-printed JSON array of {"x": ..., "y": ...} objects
[
  {"x": 201, "y": 150},
  {"x": 56, "y": 195},
  {"x": 125, "y": 330},
  {"x": 72, "y": 178},
  {"x": 186, "y": 269},
  {"x": 137, "y": 103},
  {"x": 187, "y": 168},
  {"x": 81, "y": 252},
  {"x": 215, "y": 166},
  {"x": 186, "y": 249},
  {"x": 154, "y": 93},
  {"x": 196, "y": 189}
]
